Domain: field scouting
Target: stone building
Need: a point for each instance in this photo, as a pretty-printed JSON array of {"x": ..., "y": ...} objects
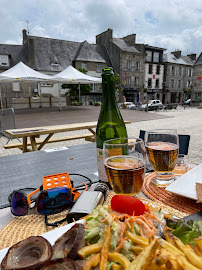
[
  {"x": 178, "y": 76},
  {"x": 196, "y": 90},
  {"x": 154, "y": 71},
  {"x": 49, "y": 56},
  {"x": 127, "y": 61}
]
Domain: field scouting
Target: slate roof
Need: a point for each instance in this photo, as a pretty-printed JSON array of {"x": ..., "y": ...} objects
[
  {"x": 183, "y": 60},
  {"x": 16, "y": 54},
  {"x": 199, "y": 60},
  {"x": 47, "y": 51},
  {"x": 121, "y": 43},
  {"x": 89, "y": 52}
]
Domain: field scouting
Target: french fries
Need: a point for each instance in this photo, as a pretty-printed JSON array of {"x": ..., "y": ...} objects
[
  {"x": 92, "y": 262},
  {"x": 145, "y": 258},
  {"x": 160, "y": 254},
  {"x": 105, "y": 248},
  {"x": 119, "y": 258},
  {"x": 88, "y": 250},
  {"x": 136, "y": 239}
]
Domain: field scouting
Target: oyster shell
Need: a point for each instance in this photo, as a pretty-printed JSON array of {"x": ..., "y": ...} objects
[
  {"x": 62, "y": 264},
  {"x": 30, "y": 253},
  {"x": 69, "y": 243}
]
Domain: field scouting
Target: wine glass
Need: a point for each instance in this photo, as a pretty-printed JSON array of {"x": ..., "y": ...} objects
[
  {"x": 125, "y": 164},
  {"x": 162, "y": 147}
]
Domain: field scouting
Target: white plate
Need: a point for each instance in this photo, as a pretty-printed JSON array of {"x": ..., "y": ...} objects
[
  {"x": 185, "y": 185},
  {"x": 51, "y": 236}
]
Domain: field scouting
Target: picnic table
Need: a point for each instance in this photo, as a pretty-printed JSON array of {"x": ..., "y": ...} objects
[{"x": 34, "y": 133}]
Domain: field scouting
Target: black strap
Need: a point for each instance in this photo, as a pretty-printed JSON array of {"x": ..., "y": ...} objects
[
  {"x": 81, "y": 187},
  {"x": 54, "y": 224}
]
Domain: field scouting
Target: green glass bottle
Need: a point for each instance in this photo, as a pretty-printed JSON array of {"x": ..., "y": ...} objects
[{"x": 110, "y": 122}]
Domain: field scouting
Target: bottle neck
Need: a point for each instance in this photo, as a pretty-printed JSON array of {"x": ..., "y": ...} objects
[{"x": 108, "y": 91}]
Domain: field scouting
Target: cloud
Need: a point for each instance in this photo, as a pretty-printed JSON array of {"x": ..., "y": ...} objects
[{"x": 166, "y": 23}]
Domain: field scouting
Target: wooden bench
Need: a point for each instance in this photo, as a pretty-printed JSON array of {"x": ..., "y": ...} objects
[
  {"x": 88, "y": 137},
  {"x": 30, "y": 136}
]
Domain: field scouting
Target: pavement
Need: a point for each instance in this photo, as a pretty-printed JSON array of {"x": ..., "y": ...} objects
[{"x": 186, "y": 121}]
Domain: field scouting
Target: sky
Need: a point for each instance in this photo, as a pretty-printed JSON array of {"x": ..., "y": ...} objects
[{"x": 170, "y": 24}]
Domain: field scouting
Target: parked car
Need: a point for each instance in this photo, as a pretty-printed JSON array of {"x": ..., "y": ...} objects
[
  {"x": 153, "y": 104},
  {"x": 128, "y": 105},
  {"x": 186, "y": 102}
]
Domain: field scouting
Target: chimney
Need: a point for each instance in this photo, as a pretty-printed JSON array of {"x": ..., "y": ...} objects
[
  {"x": 104, "y": 37},
  {"x": 130, "y": 39},
  {"x": 192, "y": 56},
  {"x": 177, "y": 54},
  {"x": 24, "y": 36}
]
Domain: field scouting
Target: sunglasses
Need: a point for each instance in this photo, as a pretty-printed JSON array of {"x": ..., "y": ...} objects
[
  {"x": 49, "y": 202},
  {"x": 56, "y": 195}
]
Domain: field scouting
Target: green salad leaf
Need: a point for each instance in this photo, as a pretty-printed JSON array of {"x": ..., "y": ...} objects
[{"x": 186, "y": 231}]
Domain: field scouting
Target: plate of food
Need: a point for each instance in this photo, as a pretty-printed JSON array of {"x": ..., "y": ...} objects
[{"x": 128, "y": 234}]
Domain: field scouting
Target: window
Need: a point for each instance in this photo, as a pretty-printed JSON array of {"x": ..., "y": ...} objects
[
  {"x": 179, "y": 83},
  {"x": 198, "y": 97},
  {"x": 129, "y": 65},
  {"x": 156, "y": 57},
  {"x": 189, "y": 72},
  {"x": 157, "y": 69},
  {"x": 157, "y": 83},
  {"x": 128, "y": 81},
  {"x": 136, "y": 81},
  {"x": 84, "y": 66},
  {"x": 149, "y": 83},
  {"x": 137, "y": 66},
  {"x": 150, "y": 69},
  {"x": 188, "y": 84},
  {"x": 55, "y": 64},
  {"x": 148, "y": 56},
  {"x": 16, "y": 86},
  {"x": 4, "y": 60},
  {"x": 99, "y": 67},
  {"x": 172, "y": 83},
  {"x": 180, "y": 71},
  {"x": 172, "y": 71}
]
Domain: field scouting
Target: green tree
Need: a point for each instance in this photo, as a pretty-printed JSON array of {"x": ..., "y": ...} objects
[
  {"x": 117, "y": 82},
  {"x": 74, "y": 88}
]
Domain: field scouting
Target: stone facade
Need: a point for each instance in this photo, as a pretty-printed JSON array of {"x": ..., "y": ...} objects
[
  {"x": 171, "y": 77},
  {"x": 196, "y": 90},
  {"x": 127, "y": 61},
  {"x": 49, "y": 56},
  {"x": 178, "y": 77}
]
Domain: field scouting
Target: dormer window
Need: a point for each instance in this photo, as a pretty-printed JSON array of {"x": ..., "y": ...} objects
[
  {"x": 55, "y": 64},
  {"x": 4, "y": 60}
]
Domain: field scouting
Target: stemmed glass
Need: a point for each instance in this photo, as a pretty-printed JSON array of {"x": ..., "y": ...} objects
[
  {"x": 125, "y": 164},
  {"x": 162, "y": 147}
]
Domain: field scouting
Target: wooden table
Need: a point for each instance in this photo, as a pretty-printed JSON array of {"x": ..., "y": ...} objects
[{"x": 35, "y": 132}]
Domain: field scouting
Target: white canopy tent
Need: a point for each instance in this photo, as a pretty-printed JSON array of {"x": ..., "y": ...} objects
[
  {"x": 71, "y": 75},
  {"x": 23, "y": 73}
]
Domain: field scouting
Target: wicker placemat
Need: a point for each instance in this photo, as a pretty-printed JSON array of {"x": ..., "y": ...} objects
[
  {"x": 20, "y": 228},
  {"x": 159, "y": 194}
]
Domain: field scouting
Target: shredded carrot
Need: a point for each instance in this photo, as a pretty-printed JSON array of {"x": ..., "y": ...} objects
[
  {"x": 167, "y": 216},
  {"x": 85, "y": 186},
  {"x": 119, "y": 247}
]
